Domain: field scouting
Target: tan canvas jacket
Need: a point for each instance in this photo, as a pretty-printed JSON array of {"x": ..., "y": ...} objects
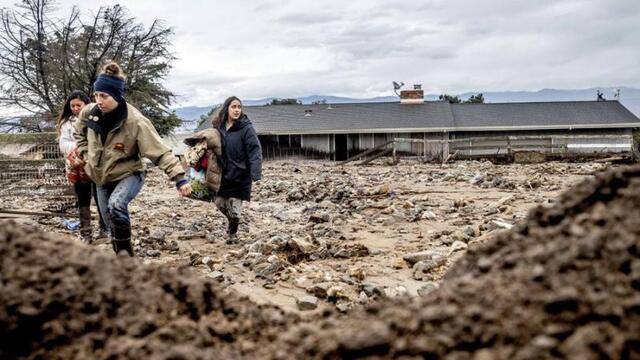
[{"x": 125, "y": 145}]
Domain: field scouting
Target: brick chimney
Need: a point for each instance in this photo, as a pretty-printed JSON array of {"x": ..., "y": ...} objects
[{"x": 415, "y": 96}]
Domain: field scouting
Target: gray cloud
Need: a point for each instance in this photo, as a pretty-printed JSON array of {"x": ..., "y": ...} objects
[
  {"x": 295, "y": 19},
  {"x": 356, "y": 48}
]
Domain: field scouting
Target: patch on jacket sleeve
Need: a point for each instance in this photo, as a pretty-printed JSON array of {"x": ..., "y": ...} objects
[{"x": 119, "y": 147}]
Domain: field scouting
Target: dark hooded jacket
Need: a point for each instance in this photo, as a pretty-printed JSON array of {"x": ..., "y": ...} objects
[{"x": 241, "y": 159}]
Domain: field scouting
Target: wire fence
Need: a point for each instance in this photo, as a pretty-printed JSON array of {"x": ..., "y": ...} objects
[{"x": 32, "y": 167}]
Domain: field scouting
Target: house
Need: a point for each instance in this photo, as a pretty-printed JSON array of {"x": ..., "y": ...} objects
[{"x": 437, "y": 129}]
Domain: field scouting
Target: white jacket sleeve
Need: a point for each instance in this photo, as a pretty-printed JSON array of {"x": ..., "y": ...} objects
[{"x": 67, "y": 142}]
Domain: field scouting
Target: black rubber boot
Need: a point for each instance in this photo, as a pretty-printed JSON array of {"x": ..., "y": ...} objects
[
  {"x": 85, "y": 224},
  {"x": 232, "y": 231},
  {"x": 121, "y": 236}
]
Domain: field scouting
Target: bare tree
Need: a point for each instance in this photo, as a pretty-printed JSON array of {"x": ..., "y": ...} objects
[{"x": 43, "y": 59}]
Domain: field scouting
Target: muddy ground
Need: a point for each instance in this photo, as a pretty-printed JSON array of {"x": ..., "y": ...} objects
[
  {"x": 319, "y": 236},
  {"x": 563, "y": 283}
]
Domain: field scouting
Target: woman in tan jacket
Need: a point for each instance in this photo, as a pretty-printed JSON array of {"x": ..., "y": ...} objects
[{"x": 112, "y": 137}]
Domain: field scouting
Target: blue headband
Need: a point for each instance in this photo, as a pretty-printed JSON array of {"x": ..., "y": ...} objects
[{"x": 111, "y": 85}]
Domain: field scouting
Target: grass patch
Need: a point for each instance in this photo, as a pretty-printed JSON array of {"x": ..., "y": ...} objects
[{"x": 28, "y": 138}]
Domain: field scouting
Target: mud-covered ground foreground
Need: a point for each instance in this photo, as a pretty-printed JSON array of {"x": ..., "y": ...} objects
[
  {"x": 563, "y": 282},
  {"x": 319, "y": 236}
]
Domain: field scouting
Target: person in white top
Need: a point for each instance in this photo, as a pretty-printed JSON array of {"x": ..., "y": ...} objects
[{"x": 82, "y": 184}]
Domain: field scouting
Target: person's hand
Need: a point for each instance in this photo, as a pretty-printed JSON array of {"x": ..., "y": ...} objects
[
  {"x": 185, "y": 190},
  {"x": 75, "y": 159}
]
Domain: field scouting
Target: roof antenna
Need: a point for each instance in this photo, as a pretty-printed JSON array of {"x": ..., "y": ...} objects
[{"x": 397, "y": 86}]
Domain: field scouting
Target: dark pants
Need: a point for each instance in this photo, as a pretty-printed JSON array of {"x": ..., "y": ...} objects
[{"x": 84, "y": 192}]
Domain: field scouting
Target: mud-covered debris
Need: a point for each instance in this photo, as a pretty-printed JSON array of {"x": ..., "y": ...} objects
[
  {"x": 349, "y": 251},
  {"x": 423, "y": 269},
  {"x": 320, "y": 290},
  {"x": 420, "y": 256},
  {"x": 427, "y": 288},
  {"x": 307, "y": 302}
]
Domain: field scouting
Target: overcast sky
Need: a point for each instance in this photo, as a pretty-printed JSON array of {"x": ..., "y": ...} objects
[{"x": 356, "y": 48}]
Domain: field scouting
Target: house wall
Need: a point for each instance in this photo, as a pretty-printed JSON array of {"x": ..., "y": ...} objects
[
  {"x": 480, "y": 143},
  {"x": 554, "y": 142}
]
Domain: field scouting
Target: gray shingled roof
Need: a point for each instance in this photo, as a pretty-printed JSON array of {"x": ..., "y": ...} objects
[
  {"x": 544, "y": 115},
  {"x": 437, "y": 116}
]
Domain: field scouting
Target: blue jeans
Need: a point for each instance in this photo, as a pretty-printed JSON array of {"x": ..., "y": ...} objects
[{"x": 114, "y": 199}]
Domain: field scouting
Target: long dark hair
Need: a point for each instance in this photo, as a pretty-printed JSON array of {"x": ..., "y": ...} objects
[
  {"x": 66, "y": 110},
  {"x": 221, "y": 114}
]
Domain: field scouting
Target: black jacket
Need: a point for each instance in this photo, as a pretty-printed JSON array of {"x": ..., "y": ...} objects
[{"x": 241, "y": 159}]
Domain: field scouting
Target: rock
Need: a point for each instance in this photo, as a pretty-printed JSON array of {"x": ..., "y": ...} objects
[
  {"x": 458, "y": 245},
  {"x": 447, "y": 240},
  {"x": 372, "y": 290},
  {"x": 326, "y": 204},
  {"x": 216, "y": 275},
  {"x": 421, "y": 269},
  {"x": 301, "y": 245},
  {"x": 419, "y": 256},
  {"x": 427, "y": 288},
  {"x": 208, "y": 261},
  {"x": 171, "y": 246},
  {"x": 153, "y": 253},
  {"x": 460, "y": 236},
  {"x": 401, "y": 290},
  {"x": 390, "y": 220},
  {"x": 373, "y": 335},
  {"x": 211, "y": 237},
  {"x": 302, "y": 282},
  {"x": 260, "y": 247},
  {"x": 491, "y": 210},
  {"x": 195, "y": 258},
  {"x": 544, "y": 342},
  {"x": 390, "y": 293},
  {"x": 277, "y": 242},
  {"x": 319, "y": 290},
  {"x": 398, "y": 263},
  {"x": 319, "y": 217},
  {"x": 501, "y": 224},
  {"x": 267, "y": 270},
  {"x": 282, "y": 215},
  {"x": 381, "y": 190},
  {"x": 362, "y": 298},
  {"x": 470, "y": 231},
  {"x": 477, "y": 179},
  {"x": 307, "y": 302},
  {"x": 357, "y": 273},
  {"x": 349, "y": 250},
  {"x": 342, "y": 306},
  {"x": 336, "y": 293},
  {"x": 348, "y": 280},
  {"x": 251, "y": 259},
  {"x": 484, "y": 264},
  {"x": 295, "y": 195},
  {"x": 158, "y": 236},
  {"x": 428, "y": 215}
]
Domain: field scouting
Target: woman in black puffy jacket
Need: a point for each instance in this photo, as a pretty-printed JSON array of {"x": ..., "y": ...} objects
[{"x": 241, "y": 161}]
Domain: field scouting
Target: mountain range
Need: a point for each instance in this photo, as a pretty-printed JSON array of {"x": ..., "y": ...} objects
[{"x": 629, "y": 97}]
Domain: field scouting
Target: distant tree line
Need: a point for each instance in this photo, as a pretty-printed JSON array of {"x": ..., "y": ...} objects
[
  {"x": 473, "y": 99},
  {"x": 287, "y": 101},
  {"x": 43, "y": 59}
]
